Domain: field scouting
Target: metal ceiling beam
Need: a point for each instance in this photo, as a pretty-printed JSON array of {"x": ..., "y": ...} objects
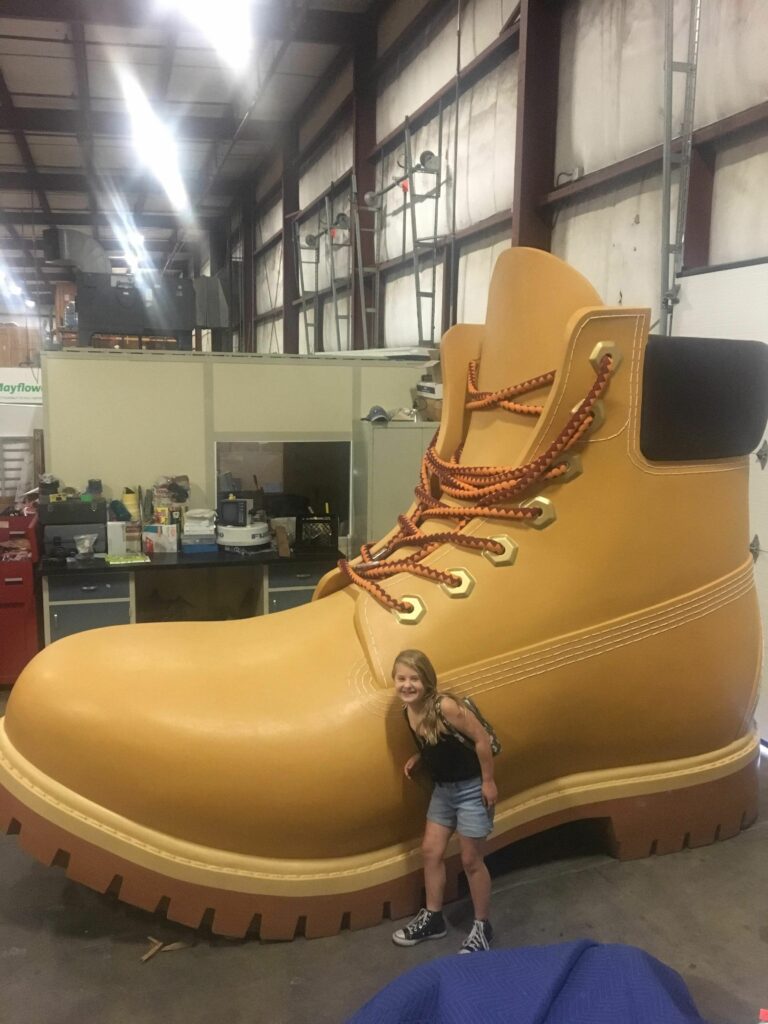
[
  {"x": 69, "y": 219},
  {"x": 74, "y": 181},
  {"x": 21, "y": 143},
  {"x": 85, "y": 135},
  {"x": 12, "y": 248},
  {"x": 44, "y": 121},
  {"x": 337, "y": 28}
]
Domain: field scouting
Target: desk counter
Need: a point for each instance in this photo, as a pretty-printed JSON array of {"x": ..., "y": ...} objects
[{"x": 79, "y": 595}]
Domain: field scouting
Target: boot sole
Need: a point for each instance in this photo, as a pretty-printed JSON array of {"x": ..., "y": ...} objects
[
  {"x": 417, "y": 942},
  {"x": 646, "y": 809}
]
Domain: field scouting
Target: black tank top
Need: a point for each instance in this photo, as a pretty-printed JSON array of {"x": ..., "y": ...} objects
[{"x": 448, "y": 760}]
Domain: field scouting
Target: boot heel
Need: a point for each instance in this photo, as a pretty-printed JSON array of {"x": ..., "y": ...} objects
[{"x": 672, "y": 820}]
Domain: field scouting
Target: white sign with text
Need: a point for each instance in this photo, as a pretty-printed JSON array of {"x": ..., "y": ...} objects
[{"x": 21, "y": 386}]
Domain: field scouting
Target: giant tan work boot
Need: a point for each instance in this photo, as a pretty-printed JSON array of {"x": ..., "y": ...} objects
[{"x": 588, "y": 582}]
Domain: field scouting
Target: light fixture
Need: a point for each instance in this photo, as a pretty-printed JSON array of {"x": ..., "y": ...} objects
[
  {"x": 153, "y": 141},
  {"x": 14, "y": 289},
  {"x": 30, "y": 303},
  {"x": 227, "y": 25}
]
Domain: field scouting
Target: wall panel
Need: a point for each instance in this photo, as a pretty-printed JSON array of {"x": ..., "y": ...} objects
[
  {"x": 614, "y": 239},
  {"x": 739, "y": 212},
  {"x": 329, "y": 102},
  {"x": 269, "y": 337},
  {"x": 328, "y": 166},
  {"x": 400, "y": 317},
  {"x": 733, "y": 72},
  {"x": 611, "y": 86},
  {"x": 475, "y": 270},
  {"x": 484, "y": 176}
]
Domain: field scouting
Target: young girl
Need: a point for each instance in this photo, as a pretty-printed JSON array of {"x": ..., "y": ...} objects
[{"x": 463, "y": 798}]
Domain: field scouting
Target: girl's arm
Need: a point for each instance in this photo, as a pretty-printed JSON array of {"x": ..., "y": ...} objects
[{"x": 469, "y": 726}]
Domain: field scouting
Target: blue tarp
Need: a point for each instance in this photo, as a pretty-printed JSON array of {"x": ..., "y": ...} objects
[{"x": 571, "y": 983}]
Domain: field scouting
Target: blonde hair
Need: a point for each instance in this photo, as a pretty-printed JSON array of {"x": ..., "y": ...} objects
[{"x": 431, "y": 726}]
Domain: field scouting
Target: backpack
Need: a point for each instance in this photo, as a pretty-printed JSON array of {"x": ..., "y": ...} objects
[{"x": 470, "y": 706}]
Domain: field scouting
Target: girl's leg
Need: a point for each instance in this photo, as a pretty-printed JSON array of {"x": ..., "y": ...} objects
[
  {"x": 433, "y": 850},
  {"x": 477, "y": 874}
]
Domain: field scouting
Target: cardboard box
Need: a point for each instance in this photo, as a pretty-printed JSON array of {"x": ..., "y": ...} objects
[{"x": 160, "y": 539}]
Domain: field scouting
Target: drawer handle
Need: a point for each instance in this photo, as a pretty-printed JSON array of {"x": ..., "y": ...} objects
[
  {"x": 303, "y": 575},
  {"x": 90, "y": 588},
  {"x": 14, "y": 580}
]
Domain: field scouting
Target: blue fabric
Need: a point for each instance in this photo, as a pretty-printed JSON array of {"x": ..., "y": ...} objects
[{"x": 572, "y": 983}]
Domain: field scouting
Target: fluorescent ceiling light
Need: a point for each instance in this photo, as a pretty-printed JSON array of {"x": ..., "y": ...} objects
[
  {"x": 226, "y": 24},
  {"x": 14, "y": 289},
  {"x": 154, "y": 142}
]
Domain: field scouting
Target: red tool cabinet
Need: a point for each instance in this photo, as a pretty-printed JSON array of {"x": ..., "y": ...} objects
[{"x": 18, "y": 613}]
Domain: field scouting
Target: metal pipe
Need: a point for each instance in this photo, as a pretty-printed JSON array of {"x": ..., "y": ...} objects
[{"x": 666, "y": 185}]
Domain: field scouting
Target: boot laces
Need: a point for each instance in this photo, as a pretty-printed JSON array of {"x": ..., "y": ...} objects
[
  {"x": 414, "y": 928},
  {"x": 476, "y": 940},
  {"x": 485, "y": 492}
]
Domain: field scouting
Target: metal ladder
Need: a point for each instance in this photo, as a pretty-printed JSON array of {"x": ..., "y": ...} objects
[
  {"x": 339, "y": 237},
  {"x": 672, "y": 248},
  {"x": 425, "y": 251},
  {"x": 308, "y": 256},
  {"x": 425, "y": 247},
  {"x": 274, "y": 345},
  {"x": 368, "y": 278}
]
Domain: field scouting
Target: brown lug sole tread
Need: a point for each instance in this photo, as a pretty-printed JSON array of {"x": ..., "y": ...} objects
[{"x": 635, "y": 827}]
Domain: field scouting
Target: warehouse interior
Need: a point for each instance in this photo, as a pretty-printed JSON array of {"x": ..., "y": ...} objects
[{"x": 233, "y": 239}]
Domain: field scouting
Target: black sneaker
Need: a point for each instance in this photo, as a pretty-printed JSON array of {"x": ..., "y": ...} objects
[
  {"x": 479, "y": 939},
  {"x": 428, "y": 924}
]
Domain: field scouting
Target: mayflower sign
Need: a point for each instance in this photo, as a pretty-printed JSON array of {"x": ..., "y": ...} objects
[{"x": 20, "y": 386}]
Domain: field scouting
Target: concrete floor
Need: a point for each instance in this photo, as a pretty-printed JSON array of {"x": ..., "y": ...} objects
[{"x": 69, "y": 955}]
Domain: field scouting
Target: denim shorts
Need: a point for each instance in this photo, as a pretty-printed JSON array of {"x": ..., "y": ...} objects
[{"x": 459, "y": 806}]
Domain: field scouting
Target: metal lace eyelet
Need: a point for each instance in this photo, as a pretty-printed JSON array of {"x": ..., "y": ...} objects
[
  {"x": 548, "y": 513},
  {"x": 464, "y": 589},
  {"x": 417, "y": 611},
  {"x": 572, "y": 462},
  {"x": 505, "y": 557},
  {"x": 598, "y": 415},
  {"x": 606, "y": 348}
]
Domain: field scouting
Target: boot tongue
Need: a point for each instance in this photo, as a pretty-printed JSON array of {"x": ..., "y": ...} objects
[{"x": 532, "y": 298}]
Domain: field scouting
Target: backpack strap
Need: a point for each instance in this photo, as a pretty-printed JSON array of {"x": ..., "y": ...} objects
[
  {"x": 467, "y": 704},
  {"x": 465, "y": 740}
]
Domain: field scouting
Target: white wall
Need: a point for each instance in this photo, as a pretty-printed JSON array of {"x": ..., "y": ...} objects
[
  {"x": 481, "y": 23},
  {"x": 734, "y": 304},
  {"x": 20, "y": 420},
  {"x": 328, "y": 166},
  {"x": 733, "y": 72},
  {"x": 614, "y": 239},
  {"x": 481, "y": 178},
  {"x": 739, "y": 211},
  {"x": 134, "y": 432}
]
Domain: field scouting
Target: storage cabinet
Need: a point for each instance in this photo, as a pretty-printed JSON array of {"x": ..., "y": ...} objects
[
  {"x": 289, "y": 584},
  {"x": 79, "y": 601},
  {"x": 18, "y": 619},
  {"x": 386, "y": 463}
]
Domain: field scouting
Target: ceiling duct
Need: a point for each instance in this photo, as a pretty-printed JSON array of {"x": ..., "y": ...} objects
[{"x": 66, "y": 248}]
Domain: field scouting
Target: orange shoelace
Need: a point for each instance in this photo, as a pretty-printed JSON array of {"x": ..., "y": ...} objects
[{"x": 488, "y": 490}]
